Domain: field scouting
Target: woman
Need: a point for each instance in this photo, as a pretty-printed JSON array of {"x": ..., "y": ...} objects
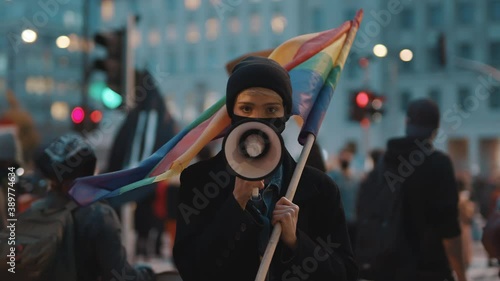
[{"x": 222, "y": 233}]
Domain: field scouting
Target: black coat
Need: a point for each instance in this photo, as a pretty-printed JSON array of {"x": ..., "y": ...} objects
[
  {"x": 98, "y": 250},
  {"x": 217, "y": 240}
]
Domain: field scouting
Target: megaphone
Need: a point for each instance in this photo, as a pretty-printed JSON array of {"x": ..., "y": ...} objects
[{"x": 252, "y": 149}]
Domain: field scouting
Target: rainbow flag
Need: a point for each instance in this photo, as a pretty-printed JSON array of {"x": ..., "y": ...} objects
[{"x": 314, "y": 62}]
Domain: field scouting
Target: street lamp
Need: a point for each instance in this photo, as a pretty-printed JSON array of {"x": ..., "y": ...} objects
[
  {"x": 28, "y": 36},
  {"x": 406, "y": 55},
  {"x": 63, "y": 42},
  {"x": 380, "y": 50}
]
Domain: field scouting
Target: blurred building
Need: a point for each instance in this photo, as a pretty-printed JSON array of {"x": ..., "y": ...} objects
[
  {"x": 186, "y": 43},
  {"x": 42, "y": 56}
]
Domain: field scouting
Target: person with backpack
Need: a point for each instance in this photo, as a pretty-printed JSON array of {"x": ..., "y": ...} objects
[
  {"x": 408, "y": 221},
  {"x": 56, "y": 239}
]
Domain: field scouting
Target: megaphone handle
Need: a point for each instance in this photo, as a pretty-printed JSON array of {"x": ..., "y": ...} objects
[{"x": 255, "y": 193}]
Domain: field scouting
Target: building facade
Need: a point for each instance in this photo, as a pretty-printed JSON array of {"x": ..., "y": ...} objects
[{"x": 186, "y": 44}]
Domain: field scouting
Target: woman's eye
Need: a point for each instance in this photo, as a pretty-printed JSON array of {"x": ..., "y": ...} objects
[
  {"x": 272, "y": 110},
  {"x": 245, "y": 109}
]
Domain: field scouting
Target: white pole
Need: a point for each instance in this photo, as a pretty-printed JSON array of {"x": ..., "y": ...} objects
[
  {"x": 129, "y": 63},
  {"x": 292, "y": 187}
]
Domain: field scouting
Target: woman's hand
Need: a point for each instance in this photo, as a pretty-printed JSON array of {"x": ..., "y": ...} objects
[
  {"x": 243, "y": 190},
  {"x": 287, "y": 213}
]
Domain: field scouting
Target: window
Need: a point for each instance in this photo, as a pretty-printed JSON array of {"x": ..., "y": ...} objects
[
  {"x": 171, "y": 32},
  {"x": 171, "y": 62},
  {"x": 107, "y": 10},
  {"x": 433, "y": 59},
  {"x": 191, "y": 61},
  {"x": 154, "y": 38},
  {"x": 192, "y": 33},
  {"x": 255, "y": 23},
  {"x": 212, "y": 28},
  {"x": 495, "y": 53},
  {"x": 465, "y": 13},
  {"x": 317, "y": 19},
  {"x": 465, "y": 50},
  {"x": 3, "y": 62},
  {"x": 212, "y": 58},
  {"x": 192, "y": 5},
  {"x": 494, "y": 10},
  {"x": 407, "y": 18},
  {"x": 171, "y": 5},
  {"x": 463, "y": 94},
  {"x": 435, "y": 95},
  {"x": 435, "y": 15},
  {"x": 234, "y": 25},
  {"x": 232, "y": 52},
  {"x": 278, "y": 23},
  {"x": 405, "y": 98},
  {"x": 494, "y": 100}
]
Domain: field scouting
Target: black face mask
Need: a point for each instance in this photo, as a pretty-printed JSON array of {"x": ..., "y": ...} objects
[
  {"x": 344, "y": 164},
  {"x": 277, "y": 123}
]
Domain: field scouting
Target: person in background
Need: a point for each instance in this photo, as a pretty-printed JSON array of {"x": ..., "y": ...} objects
[
  {"x": 315, "y": 158},
  {"x": 10, "y": 157},
  {"x": 429, "y": 194},
  {"x": 99, "y": 254},
  {"x": 348, "y": 186},
  {"x": 466, "y": 210}
]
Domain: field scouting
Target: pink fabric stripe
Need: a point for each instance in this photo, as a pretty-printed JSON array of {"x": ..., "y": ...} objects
[
  {"x": 183, "y": 145},
  {"x": 316, "y": 44}
]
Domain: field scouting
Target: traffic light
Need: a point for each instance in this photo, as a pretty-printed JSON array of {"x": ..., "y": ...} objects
[
  {"x": 366, "y": 106},
  {"x": 358, "y": 103},
  {"x": 114, "y": 65},
  {"x": 85, "y": 120}
]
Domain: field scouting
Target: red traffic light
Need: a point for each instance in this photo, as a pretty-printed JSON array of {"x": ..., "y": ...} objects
[
  {"x": 77, "y": 115},
  {"x": 362, "y": 99},
  {"x": 96, "y": 116}
]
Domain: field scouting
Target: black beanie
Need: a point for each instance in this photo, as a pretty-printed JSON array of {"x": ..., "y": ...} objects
[
  {"x": 423, "y": 118},
  {"x": 259, "y": 72},
  {"x": 67, "y": 158}
]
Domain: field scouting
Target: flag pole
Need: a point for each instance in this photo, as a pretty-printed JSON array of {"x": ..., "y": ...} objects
[{"x": 292, "y": 187}]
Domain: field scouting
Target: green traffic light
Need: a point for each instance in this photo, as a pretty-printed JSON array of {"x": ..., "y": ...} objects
[
  {"x": 110, "y": 98},
  {"x": 96, "y": 89}
]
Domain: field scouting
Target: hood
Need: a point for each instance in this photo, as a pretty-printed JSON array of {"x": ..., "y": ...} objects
[{"x": 404, "y": 147}]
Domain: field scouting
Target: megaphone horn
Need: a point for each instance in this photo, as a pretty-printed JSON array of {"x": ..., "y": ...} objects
[{"x": 252, "y": 149}]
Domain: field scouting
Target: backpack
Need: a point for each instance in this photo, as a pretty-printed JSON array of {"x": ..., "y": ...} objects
[
  {"x": 382, "y": 250},
  {"x": 44, "y": 244}
]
